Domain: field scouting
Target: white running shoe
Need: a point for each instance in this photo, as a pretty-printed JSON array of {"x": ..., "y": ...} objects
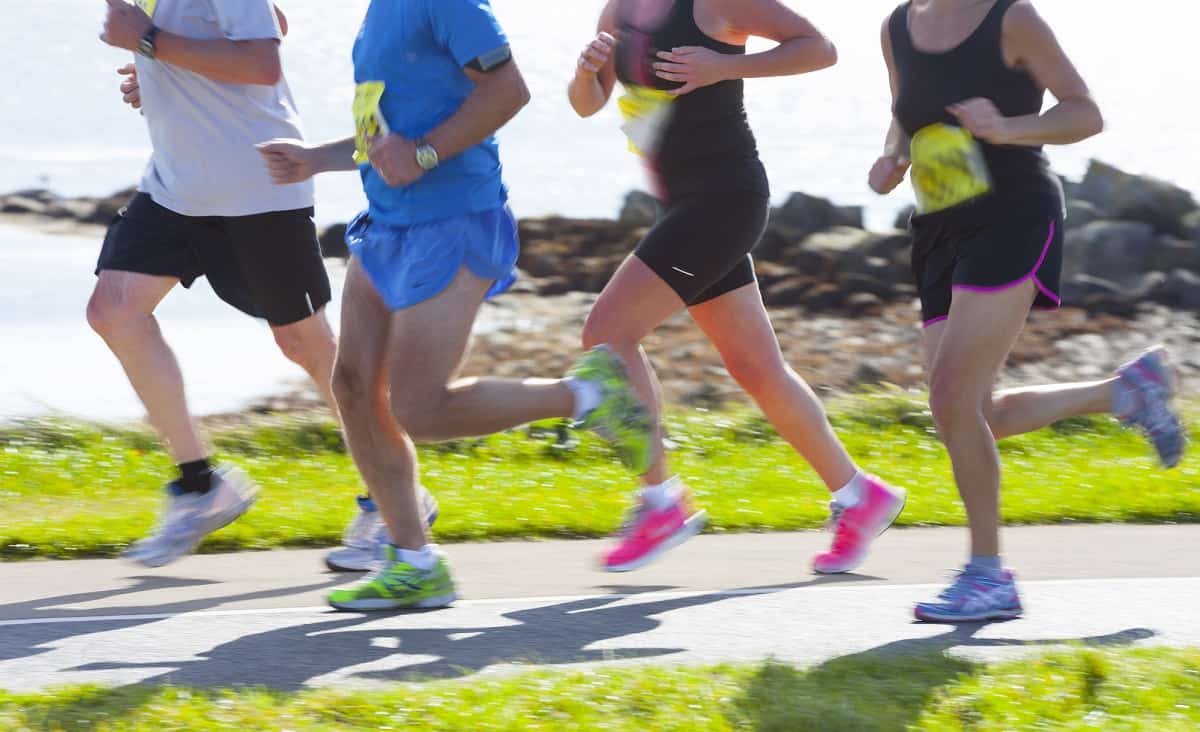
[
  {"x": 366, "y": 535},
  {"x": 189, "y": 517}
]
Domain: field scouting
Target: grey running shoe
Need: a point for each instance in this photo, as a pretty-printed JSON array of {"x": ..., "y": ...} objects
[
  {"x": 189, "y": 517},
  {"x": 1148, "y": 385},
  {"x": 367, "y": 533}
]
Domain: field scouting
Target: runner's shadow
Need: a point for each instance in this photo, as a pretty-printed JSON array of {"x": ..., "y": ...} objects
[
  {"x": 559, "y": 633},
  {"x": 847, "y": 692},
  {"x": 34, "y": 638}
]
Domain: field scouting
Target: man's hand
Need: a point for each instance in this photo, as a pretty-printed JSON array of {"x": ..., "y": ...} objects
[
  {"x": 395, "y": 159},
  {"x": 131, "y": 91},
  {"x": 289, "y": 161},
  {"x": 125, "y": 25}
]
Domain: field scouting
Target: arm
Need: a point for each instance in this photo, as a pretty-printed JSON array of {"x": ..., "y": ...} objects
[
  {"x": 595, "y": 73},
  {"x": 233, "y": 62},
  {"x": 291, "y": 161},
  {"x": 283, "y": 24},
  {"x": 802, "y": 48},
  {"x": 496, "y": 99},
  {"x": 1030, "y": 44},
  {"x": 890, "y": 168}
]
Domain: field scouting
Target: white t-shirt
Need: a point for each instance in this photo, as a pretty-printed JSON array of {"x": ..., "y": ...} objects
[{"x": 203, "y": 132}]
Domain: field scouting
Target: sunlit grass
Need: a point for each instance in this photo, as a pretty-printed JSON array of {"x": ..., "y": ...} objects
[
  {"x": 1153, "y": 690},
  {"x": 69, "y": 490}
]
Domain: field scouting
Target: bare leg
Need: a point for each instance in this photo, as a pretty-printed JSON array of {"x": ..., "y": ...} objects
[
  {"x": 738, "y": 325},
  {"x": 634, "y": 302},
  {"x": 971, "y": 349},
  {"x": 310, "y": 345},
  {"x": 121, "y": 311}
]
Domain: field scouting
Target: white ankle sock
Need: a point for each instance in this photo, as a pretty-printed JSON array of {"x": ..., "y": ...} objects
[
  {"x": 664, "y": 495},
  {"x": 423, "y": 558},
  {"x": 588, "y": 396},
  {"x": 850, "y": 494}
]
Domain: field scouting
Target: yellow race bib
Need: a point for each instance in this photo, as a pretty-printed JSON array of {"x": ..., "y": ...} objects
[
  {"x": 948, "y": 168},
  {"x": 368, "y": 118},
  {"x": 646, "y": 113},
  {"x": 147, "y": 6}
]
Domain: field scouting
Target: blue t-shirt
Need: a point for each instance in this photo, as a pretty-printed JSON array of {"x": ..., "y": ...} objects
[{"x": 418, "y": 49}]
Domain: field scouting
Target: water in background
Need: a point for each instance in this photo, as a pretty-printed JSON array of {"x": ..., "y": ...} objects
[{"x": 65, "y": 129}]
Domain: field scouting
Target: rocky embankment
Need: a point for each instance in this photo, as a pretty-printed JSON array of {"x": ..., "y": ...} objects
[{"x": 841, "y": 296}]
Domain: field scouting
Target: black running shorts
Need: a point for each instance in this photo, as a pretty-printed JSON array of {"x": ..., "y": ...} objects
[
  {"x": 701, "y": 245},
  {"x": 268, "y": 265},
  {"x": 988, "y": 258}
]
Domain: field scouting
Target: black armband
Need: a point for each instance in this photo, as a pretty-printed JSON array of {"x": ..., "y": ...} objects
[{"x": 492, "y": 60}]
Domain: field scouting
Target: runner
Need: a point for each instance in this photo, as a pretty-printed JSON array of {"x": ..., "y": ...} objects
[
  {"x": 436, "y": 79},
  {"x": 968, "y": 81},
  {"x": 205, "y": 207},
  {"x": 682, "y": 64}
]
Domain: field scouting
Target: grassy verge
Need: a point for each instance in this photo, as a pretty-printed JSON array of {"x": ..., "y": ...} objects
[
  {"x": 71, "y": 490},
  {"x": 1155, "y": 690}
]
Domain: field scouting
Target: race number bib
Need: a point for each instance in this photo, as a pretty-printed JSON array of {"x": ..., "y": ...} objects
[
  {"x": 368, "y": 118},
  {"x": 646, "y": 113},
  {"x": 948, "y": 168},
  {"x": 147, "y": 6}
]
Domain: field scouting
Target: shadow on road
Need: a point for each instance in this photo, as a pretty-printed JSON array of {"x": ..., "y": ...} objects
[{"x": 559, "y": 633}]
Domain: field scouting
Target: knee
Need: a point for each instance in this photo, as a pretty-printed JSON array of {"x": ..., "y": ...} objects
[
  {"x": 352, "y": 387},
  {"x": 303, "y": 349},
  {"x": 756, "y": 375},
  {"x": 419, "y": 419},
  {"x": 604, "y": 328},
  {"x": 951, "y": 406},
  {"x": 107, "y": 314}
]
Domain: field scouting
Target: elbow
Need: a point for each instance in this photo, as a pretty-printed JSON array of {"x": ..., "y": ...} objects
[
  {"x": 521, "y": 97},
  {"x": 269, "y": 72},
  {"x": 830, "y": 55},
  {"x": 1097, "y": 122}
]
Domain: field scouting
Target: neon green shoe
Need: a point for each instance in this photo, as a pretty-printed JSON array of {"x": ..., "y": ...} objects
[
  {"x": 397, "y": 585},
  {"x": 620, "y": 418}
]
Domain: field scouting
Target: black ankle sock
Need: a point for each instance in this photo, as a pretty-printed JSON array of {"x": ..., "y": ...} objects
[{"x": 196, "y": 476}]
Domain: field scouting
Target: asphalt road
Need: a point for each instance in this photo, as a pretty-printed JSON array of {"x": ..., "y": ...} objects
[{"x": 258, "y": 618}]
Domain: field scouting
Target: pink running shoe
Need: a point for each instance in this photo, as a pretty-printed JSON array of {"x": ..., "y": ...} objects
[
  {"x": 855, "y": 528},
  {"x": 649, "y": 533}
]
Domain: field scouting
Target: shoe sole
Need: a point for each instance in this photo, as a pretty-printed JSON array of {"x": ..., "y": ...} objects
[
  {"x": 891, "y": 521},
  {"x": 694, "y": 525},
  {"x": 996, "y": 616},
  {"x": 380, "y": 605},
  {"x": 430, "y": 519},
  {"x": 224, "y": 519}
]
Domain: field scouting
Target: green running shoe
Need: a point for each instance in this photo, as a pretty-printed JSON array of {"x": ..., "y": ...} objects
[
  {"x": 620, "y": 417},
  {"x": 397, "y": 585}
]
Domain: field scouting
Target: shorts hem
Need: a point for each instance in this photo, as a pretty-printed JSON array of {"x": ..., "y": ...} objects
[
  {"x": 935, "y": 321},
  {"x": 1042, "y": 289}
]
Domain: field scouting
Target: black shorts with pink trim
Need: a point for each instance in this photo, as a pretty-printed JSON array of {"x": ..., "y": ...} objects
[{"x": 988, "y": 258}]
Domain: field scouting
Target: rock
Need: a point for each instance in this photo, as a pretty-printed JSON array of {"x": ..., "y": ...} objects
[
  {"x": 861, "y": 304},
  {"x": 1081, "y": 213},
  {"x": 1110, "y": 250},
  {"x": 333, "y": 242},
  {"x": 868, "y": 373},
  {"x": 640, "y": 209},
  {"x": 1169, "y": 253},
  {"x": 106, "y": 208},
  {"x": 73, "y": 209},
  {"x": 803, "y": 214},
  {"x": 21, "y": 205},
  {"x": 854, "y": 282},
  {"x": 823, "y": 297},
  {"x": 1180, "y": 289},
  {"x": 1191, "y": 227},
  {"x": 839, "y": 249},
  {"x": 789, "y": 291},
  {"x": 902, "y": 218},
  {"x": 769, "y": 273},
  {"x": 1120, "y": 195}
]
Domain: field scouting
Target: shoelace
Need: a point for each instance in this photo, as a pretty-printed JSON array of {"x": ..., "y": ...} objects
[
  {"x": 841, "y": 530},
  {"x": 632, "y": 518},
  {"x": 358, "y": 533}
]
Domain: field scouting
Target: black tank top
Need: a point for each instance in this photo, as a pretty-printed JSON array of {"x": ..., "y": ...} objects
[
  {"x": 965, "y": 180},
  {"x": 707, "y": 143}
]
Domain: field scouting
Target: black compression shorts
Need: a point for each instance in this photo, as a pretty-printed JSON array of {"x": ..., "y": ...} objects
[{"x": 701, "y": 245}]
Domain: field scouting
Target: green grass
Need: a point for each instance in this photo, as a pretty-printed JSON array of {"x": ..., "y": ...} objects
[
  {"x": 1155, "y": 690},
  {"x": 71, "y": 490}
]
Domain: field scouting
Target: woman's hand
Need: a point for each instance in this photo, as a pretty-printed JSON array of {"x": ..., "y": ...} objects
[
  {"x": 887, "y": 173},
  {"x": 692, "y": 66},
  {"x": 596, "y": 55}
]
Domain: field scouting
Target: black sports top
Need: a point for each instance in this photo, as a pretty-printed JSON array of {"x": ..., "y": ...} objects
[
  {"x": 956, "y": 177},
  {"x": 705, "y": 142}
]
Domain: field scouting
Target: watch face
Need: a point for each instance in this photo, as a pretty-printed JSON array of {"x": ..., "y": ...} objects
[
  {"x": 427, "y": 157},
  {"x": 146, "y": 48}
]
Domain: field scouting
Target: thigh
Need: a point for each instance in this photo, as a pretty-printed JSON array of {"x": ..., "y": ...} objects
[
  {"x": 739, "y": 326},
  {"x": 1012, "y": 252},
  {"x": 633, "y": 303},
  {"x": 131, "y": 292},
  {"x": 427, "y": 342},
  {"x": 271, "y": 266},
  {"x": 978, "y": 336},
  {"x": 147, "y": 239},
  {"x": 704, "y": 238},
  {"x": 365, "y": 326}
]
